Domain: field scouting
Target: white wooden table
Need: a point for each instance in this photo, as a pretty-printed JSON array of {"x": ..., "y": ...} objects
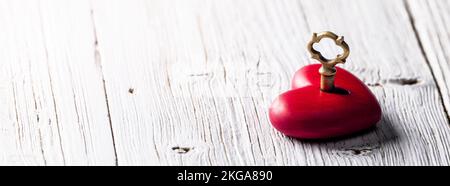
[{"x": 135, "y": 82}]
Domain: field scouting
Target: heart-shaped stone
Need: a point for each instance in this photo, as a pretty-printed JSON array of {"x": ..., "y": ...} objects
[{"x": 309, "y": 113}]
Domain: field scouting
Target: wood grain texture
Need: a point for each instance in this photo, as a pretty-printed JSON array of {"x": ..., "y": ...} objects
[
  {"x": 205, "y": 72},
  {"x": 53, "y": 108},
  {"x": 432, "y": 26},
  {"x": 174, "y": 82}
]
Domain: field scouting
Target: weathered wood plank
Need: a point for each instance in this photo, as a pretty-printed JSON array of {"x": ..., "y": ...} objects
[
  {"x": 53, "y": 108},
  {"x": 189, "y": 82},
  {"x": 432, "y": 22}
]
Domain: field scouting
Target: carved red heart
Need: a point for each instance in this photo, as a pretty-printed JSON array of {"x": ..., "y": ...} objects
[{"x": 309, "y": 113}]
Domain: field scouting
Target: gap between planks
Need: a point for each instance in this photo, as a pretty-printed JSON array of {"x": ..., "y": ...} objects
[{"x": 425, "y": 56}]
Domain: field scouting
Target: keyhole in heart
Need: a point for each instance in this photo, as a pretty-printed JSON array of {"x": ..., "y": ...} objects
[
  {"x": 340, "y": 91},
  {"x": 328, "y": 48}
]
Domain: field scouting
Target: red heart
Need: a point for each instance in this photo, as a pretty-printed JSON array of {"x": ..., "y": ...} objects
[{"x": 309, "y": 113}]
